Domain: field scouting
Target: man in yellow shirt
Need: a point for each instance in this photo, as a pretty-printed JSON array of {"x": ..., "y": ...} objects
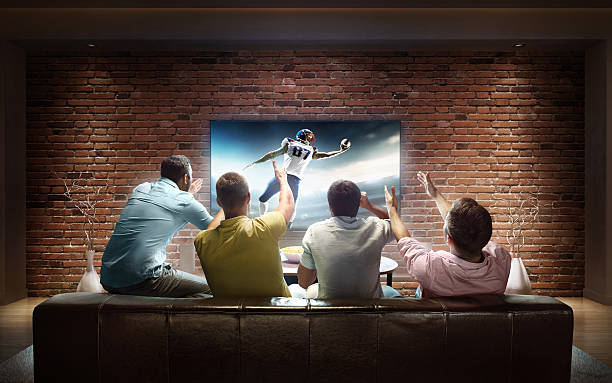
[{"x": 239, "y": 255}]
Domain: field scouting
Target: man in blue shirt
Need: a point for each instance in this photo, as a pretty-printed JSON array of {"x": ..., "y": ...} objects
[{"x": 133, "y": 261}]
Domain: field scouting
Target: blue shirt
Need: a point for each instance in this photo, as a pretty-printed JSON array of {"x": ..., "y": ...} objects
[{"x": 154, "y": 212}]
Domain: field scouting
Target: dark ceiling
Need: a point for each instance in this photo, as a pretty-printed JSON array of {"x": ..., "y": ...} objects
[
  {"x": 128, "y": 24},
  {"x": 305, "y": 4}
]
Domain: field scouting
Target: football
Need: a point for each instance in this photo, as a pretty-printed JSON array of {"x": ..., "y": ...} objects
[{"x": 345, "y": 143}]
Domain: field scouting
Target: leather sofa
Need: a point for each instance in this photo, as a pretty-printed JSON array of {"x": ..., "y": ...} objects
[{"x": 86, "y": 337}]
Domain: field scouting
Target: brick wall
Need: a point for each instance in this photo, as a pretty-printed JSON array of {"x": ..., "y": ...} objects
[{"x": 495, "y": 126}]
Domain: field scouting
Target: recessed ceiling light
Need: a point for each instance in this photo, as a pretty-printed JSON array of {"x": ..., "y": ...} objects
[
  {"x": 91, "y": 45},
  {"x": 519, "y": 45}
]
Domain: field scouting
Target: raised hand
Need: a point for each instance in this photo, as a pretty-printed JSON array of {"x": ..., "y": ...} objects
[
  {"x": 364, "y": 202},
  {"x": 430, "y": 188},
  {"x": 441, "y": 201},
  {"x": 391, "y": 199},
  {"x": 397, "y": 226},
  {"x": 280, "y": 174},
  {"x": 196, "y": 185},
  {"x": 345, "y": 144}
]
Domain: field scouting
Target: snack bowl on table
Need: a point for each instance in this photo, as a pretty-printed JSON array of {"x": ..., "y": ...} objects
[{"x": 293, "y": 254}]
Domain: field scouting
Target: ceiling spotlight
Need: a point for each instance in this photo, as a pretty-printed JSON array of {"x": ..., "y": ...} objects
[
  {"x": 91, "y": 45},
  {"x": 519, "y": 45}
]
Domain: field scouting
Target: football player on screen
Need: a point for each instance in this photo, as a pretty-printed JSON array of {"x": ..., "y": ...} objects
[{"x": 297, "y": 153}]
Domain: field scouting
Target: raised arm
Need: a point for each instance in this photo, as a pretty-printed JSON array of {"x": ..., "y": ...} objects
[
  {"x": 441, "y": 202},
  {"x": 268, "y": 156},
  {"x": 321, "y": 155},
  {"x": 217, "y": 220},
  {"x": 397, "y": 226},
  {"x": 286, "y": 204},
  {"x": 369, "y": 206}
]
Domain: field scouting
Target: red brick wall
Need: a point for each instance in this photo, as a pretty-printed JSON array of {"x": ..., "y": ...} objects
[{"x": 480, "y": 122}]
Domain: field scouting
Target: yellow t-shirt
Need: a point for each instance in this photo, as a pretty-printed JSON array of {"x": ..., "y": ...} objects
[{"x": 240, "y": 257}]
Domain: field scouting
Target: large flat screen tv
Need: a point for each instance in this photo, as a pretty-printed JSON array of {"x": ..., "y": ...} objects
[{"x": 372, "y": 161}]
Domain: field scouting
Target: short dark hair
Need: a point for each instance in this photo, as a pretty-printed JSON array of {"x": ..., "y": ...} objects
[
  {"x": 469, "y": 225},
  {"x": 343, "y": 198},
  {"x": 174, "y": 167},
  {"x": 232, "y": 190}
]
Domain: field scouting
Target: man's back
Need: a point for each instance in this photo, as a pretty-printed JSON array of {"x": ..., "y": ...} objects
[
  {"x": 241, "y": 258},
  {"x": 444, "y": 274},
  {"x": 346, "y": 252},
  {"x": 154, "y": 212}
]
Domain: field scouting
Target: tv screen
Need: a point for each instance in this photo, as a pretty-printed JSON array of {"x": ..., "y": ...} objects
[{"x": 372, "y": 161}]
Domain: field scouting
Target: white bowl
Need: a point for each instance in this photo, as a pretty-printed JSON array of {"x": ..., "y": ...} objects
[{"x": 292, "y": 253}]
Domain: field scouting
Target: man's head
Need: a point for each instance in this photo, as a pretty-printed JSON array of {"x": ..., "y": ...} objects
[
  {"x": 306, "y": 135},
  {"x": 178, "y": 169},
  {"x": 469, "y": 226},
  {"x": 232, "y": 191},
  {"x": 343, "y": 198}
]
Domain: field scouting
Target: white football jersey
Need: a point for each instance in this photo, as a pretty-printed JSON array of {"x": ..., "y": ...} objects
[{"x": 298, "y": 156}]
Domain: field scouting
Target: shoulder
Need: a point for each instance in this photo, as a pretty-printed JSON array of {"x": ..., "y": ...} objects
[
  {"x": 200, "y": 239},
  {"x": 408, "y": 245},
  {"x": 495, "y": 249},
  {"x": 144, "y": 187},
  {"x": 271, "y": 219},
  {"x": 320, "y": 225},
  {"x": 382, "y": 224},
  {"x": 185, "y": 198},
  {"x": 287, "y": 140},
  {"x": 374, "y": 220}
]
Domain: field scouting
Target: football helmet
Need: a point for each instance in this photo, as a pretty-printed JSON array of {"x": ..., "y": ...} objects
[{"x": 305, "y": 135}]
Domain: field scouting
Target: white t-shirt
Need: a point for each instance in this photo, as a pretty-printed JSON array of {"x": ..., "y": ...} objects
[
  {"x": 298, "y": 156},
  {"x": 346, "y": 252}
]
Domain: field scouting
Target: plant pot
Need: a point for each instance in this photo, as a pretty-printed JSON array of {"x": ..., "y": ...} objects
[
  {"x": 90, "y": 282},
  {"x": 518, "y": 281}
]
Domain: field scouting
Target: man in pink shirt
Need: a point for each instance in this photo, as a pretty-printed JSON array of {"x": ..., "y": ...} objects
[{"x": 474, "y": 265}]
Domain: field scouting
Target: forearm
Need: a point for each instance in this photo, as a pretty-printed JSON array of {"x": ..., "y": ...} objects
[
  {"x": 217, "y": 220},
  {"x": 306, "y": 276},
  {"x": 442, "y": 203},
  {"x": 321, "y": 155},
  {"x": 286, "y": 205},
  {"x": 266, "y": 157},
  {"x": 377, "y": 211},
  {"x": 397, "y": 226}
]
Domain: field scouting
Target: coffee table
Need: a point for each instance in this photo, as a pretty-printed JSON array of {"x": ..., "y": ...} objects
[{"x": 387, "y": 266}]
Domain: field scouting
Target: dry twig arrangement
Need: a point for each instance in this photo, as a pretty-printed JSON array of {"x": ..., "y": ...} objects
[
  {"x": 85, "y": 199},
  {"x": 521, "y": 218}
]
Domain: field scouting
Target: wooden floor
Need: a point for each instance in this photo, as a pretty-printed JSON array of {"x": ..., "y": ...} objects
[
  {"x": 16, "y": 326},
  {"x": 592, "y": 327}
]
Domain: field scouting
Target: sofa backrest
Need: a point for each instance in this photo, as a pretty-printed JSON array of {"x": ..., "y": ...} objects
[{"x": 112, "y": 338}]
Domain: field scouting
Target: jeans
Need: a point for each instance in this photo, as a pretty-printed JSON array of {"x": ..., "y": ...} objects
[
  {"x": 298, "y": 291},
  {"x": 171, "y": 283},
  {"x": 419, "y": 292}
]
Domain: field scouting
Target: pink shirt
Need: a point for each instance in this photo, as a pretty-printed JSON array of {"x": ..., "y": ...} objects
[{"x": 441, "y": 273}]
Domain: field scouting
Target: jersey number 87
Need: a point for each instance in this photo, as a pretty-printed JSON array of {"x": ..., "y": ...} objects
[{"x": 297, "y": 152}]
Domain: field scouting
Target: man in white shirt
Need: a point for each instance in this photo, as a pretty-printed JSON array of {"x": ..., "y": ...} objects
[
  {"x": 297, "y": 154},
  {"x": 344, "y": 251}
]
